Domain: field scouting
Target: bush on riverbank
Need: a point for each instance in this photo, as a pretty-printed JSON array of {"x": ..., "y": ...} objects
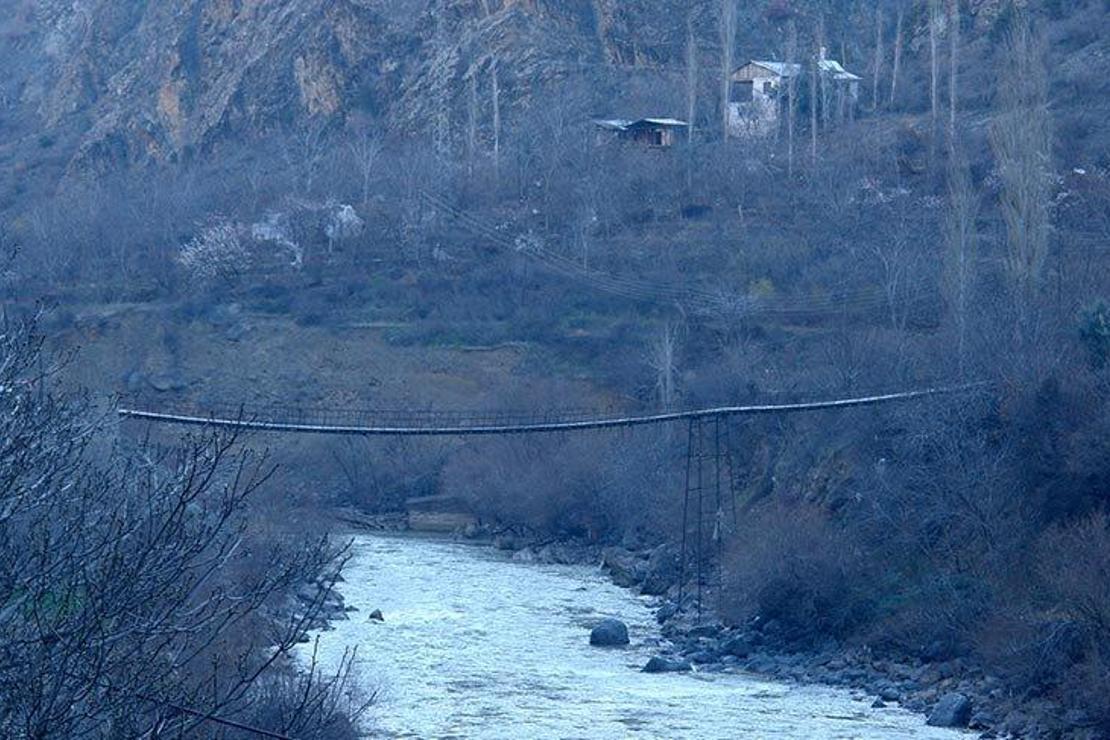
[{"x": 141, "y": 590}]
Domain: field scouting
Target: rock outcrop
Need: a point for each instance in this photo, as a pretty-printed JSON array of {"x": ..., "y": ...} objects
[{"x": 953, "y": 710}]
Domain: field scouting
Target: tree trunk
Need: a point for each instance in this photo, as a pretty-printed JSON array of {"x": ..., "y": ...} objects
[
  {"x": 791, "y": 93},
  {"x": 878, "y": 64},
  {"x": 496, "y": 92},
  {"x": 934, "y": 62},
  {"x": 961, "y": 241},
  {"x": 953, "y": 68},
  {"x": 813, "y": 110},
  {"x": 897, "y": 56},
  {"x": 691, "y": 96},
  {"x": 821, "y": 81},
  {"x": 472, "y": 121},
  {"x": 728, "y": 37}
]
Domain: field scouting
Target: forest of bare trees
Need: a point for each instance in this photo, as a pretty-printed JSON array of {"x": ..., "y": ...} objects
[{"x": 950, "y": 228}]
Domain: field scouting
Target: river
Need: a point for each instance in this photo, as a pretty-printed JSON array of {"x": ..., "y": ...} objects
[{"x": 475, "y": 645}]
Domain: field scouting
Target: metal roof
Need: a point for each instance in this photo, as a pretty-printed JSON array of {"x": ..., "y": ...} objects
[
  {"x": 660, "y": 122},
  {"x": 790, "y": 69},
  {"x": 834, "y": 68},
  {"x": 613, "y": 124},
  {"x": 623, "y": 124},
  {"x": 782, "y": 69}
]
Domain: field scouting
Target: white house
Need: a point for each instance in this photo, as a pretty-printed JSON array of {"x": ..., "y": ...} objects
[{"x": 759, "y": 89}]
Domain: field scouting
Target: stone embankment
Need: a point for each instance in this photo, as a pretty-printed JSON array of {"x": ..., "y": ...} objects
[{"x": 950, "y": 692}]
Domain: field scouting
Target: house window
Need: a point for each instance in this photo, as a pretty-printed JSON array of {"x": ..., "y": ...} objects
[{"x": 742, "y": 92}]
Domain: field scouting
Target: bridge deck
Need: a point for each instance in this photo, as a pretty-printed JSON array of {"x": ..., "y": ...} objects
[{"x": 419, "y": 425}]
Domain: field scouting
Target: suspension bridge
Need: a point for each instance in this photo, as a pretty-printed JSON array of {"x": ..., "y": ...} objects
[
  {"x": 393, "y": 423},
  {"x": 709, "y": 508}
]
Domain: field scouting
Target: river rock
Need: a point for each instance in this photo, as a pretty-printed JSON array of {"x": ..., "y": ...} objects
[
  {"x": 702, "y": 656},
  {"x": 527, "y": 555},
  {"x": 705, "y": 630},
  {"x": 376, "y": 616},
  {"x": 622, "y": 566},
  {"x": 953, "y": 710},
  {"x": 609, "y": 633},
  {"x": 889, "y": 693},
  {"x": 666, "y": 612},
  {"x": 739, "y": 646},
  {"x": 983, "y": 719},
  {"x": 659, "y": 664},
  {"x": 662, "y": 571},
  {"x": 165, "y": 382}
]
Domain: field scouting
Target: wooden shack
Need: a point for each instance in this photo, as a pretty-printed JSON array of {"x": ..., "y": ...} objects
[{"x": 659, "y": 133}]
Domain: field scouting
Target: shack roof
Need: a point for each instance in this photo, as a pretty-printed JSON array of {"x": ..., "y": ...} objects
[
  {"x": 623, "y": 124},
  {"x": 613, "y": 124},
  {"x": 665, "y": 122}
]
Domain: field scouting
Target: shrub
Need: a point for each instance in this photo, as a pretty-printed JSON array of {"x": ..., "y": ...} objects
[
  {"x": 792, "y": 564},
  {"x": 1094, "y": 332}
]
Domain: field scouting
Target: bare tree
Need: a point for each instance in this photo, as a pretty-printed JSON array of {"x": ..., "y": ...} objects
[
  {"x": 312, "y": 148},
  {"x": 691, "y": 95},
  {"x": 691, "y": 78},
  {"x": 897, "y": 65},
  {"x": 822, "y": 78},
  {"x": 495, "y": 92},
  {"x": 934, "y": 76},
  {"x": 1021, "y": 138},
  {"x": 471, "y": 120},
  {"x": 934, "y": 61},
  {"x": 133, "y": 600},
  {"x": 814, "y": 72},
  {"x": 365, "y": 151},
  {"x": 791, "y": 93},
  {"x": 961, "y": 240},
  {"x": 728, "y": 40},
  {"x": 663, "y": 358},
  {"x": 953, "y": 68},
  {"x": 877, "y": 64}
]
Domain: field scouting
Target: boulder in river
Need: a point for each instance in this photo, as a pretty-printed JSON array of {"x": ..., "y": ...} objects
[
  {"x": 659, "y": 664},
  {"x": 662, "y": 571},
  {"x": 953, "y": 710},
  {"x": 739, "y": 646},
  {"x": 609, "y": 633},
  {"x": 376, "y": 616},
  {"x": 622, "y": 566}
]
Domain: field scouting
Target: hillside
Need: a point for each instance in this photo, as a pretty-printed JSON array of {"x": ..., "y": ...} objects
[{"x": 377, "y": 204}]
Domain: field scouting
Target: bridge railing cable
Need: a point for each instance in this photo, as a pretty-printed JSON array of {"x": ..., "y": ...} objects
[{"x": 443, "y": 424}]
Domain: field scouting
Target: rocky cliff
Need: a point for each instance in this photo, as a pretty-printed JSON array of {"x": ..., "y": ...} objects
[{"x": 136, "y": 80}]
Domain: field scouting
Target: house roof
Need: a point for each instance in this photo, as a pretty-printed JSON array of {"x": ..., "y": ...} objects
[
  {"x": 659, "y": 122},
  {"x": 830, "y": 67},
  {"x": 782, "y": 69},
  {"x": 613, "y": 124},
  {"x": 834, "y": 68},
  {"x": 623, "y": 124}
]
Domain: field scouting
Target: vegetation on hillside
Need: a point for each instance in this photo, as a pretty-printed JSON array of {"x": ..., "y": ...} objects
[{"x": 952, "y": 229}]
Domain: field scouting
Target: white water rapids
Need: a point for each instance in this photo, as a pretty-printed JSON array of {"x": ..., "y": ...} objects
[{"x": 475, "y": 645}]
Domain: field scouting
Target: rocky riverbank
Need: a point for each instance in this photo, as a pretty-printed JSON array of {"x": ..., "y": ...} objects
[{"x": 951, "y": 692}]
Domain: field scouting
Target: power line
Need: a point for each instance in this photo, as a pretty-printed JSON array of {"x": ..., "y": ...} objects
[{"x": 693, "y": 298}]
